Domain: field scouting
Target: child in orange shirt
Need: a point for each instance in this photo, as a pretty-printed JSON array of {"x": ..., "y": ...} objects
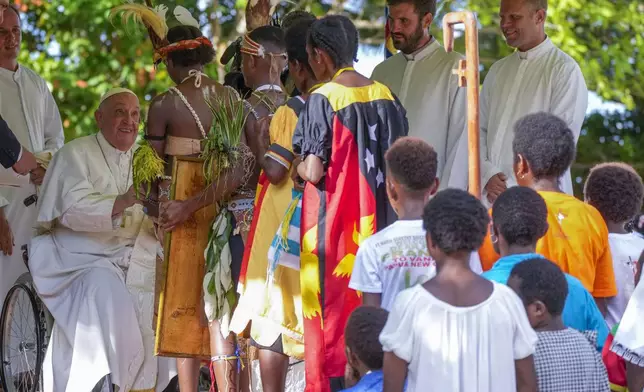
[{"x": 577, "y": 238}]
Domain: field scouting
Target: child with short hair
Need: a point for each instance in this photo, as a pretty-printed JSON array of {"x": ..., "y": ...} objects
[
  {"x": 363, "y": 350},
  {"x": 396, "y": 257},
  {"x": 577, "y": 236},
  {"x": 616, "y": 190},
  {"x": 565, "y": 359},
  {"x": 519, "y": 220},
  {"x": 458, "y": 331}
]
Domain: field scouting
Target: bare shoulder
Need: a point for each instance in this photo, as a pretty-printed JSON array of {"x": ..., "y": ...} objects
[{"x": 160, "y": 102}]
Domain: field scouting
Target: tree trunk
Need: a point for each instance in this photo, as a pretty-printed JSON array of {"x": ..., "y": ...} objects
[{"x": 258, "y": 13}]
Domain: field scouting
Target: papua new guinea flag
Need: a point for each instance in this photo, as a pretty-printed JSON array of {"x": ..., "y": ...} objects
[{"x": 349, "y": 129}]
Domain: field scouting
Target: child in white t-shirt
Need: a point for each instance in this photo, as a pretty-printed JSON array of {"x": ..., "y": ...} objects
[
  {"x": 458, "y": 331},
  {"x": 616, "y": 190},
  {"x": 396, "y": 257}
]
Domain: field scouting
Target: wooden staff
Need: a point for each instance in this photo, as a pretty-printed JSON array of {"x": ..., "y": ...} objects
[{"x": 468, "y": 75}]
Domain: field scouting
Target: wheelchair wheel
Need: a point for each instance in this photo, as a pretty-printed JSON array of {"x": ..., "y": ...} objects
[{"x": 21, "y": 341}]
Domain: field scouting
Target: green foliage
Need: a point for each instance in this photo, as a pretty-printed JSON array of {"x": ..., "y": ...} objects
[
  {"x": 607, "y": 138},
  {"x": 146, "y": 168}
]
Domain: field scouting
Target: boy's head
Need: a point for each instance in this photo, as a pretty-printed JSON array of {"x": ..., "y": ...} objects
[
  {"x": 455, "y": 222},
  {"x": 542, "y": 287},
  {"x": 543, "y": 146},
  {"x": 263, "y": 54},
  {"x": 519, "y": 218},
  {"x": 361, "y": 338},
  {"x": 411, "y": 171},
  {"x": 616, "y": 190}
]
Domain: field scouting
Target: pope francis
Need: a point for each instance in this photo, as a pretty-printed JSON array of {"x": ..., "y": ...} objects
[{"x": 93, "y": 263}]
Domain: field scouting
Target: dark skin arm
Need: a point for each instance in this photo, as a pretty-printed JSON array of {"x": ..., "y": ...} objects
[
  {"x": 634, "y": 377},
  {"x": 259, "y": 142},
  {"x": 602, "y": 304},
  {"x": 372, "y": 299},
  {"x": 158, "y": 120},
  {"x": 525, "y": 375},
  {"x": 394, "y": 373}
]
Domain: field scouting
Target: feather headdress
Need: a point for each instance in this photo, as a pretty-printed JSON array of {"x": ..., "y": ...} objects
[{"x": 154, "y": 19}]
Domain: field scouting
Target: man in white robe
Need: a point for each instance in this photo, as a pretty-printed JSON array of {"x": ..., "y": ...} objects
[
  {"x": 538, "y": 77},
  {"x": 94, "y": 264},
  {"x": 31, "y": 113},
  {"x": 420, "y": 75}
]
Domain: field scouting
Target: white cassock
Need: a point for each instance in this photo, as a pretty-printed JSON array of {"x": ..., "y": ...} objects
[
  {"x": 96, "y": 274},
  {"x": 29, "y": 108},
  {"x": 436, "y": 106},
  {"x": 543, "y": 79}
]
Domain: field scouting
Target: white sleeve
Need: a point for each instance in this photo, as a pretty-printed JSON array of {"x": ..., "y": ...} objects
[
  {"x": 398, "y": 335},
  {"x": 488, "y": 170},
  {"x": 524, "y": 339},
  {"x": 53, "y": 126},
  {"x": 456, "y": 167},
  {"x": 366, "y": 270},
  {"x": 475, "y": 263},
  {"x": 93, "y": 214},
  {"x": 569, "y": 99}
]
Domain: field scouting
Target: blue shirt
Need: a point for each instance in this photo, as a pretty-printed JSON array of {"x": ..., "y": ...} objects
[
  {"x": 371, "y": 382},
  {"x": 580, "y": 311}
]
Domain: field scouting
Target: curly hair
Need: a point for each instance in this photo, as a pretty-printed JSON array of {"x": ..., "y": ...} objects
[
  {"x": 422, "y": 7},
  {"x": 616, "y": 190},
  {"x": 362, "y": 332},
  {"x": 520, "y": 215},
  {"x": 295, "y": 17},
  {"x": 455, "y": 221},
  {"x": 201, "y": 55},
  {"x": 546, "y": 143},
  {"x": 541, "y": 280},
  {"x": 338, "y": 37},
  {"x": 412, "y": 162}
]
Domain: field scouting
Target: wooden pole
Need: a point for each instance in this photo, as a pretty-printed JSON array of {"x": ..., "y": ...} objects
[{"x": 468, "y": 75}]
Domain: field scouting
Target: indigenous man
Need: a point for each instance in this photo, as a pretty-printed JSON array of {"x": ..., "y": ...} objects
[
  {"x": 537, "y": 77},
  {"x": 30, "y": 112},
  {"x": 421, "y": 76},
  {"x": 93, "y": 265}
]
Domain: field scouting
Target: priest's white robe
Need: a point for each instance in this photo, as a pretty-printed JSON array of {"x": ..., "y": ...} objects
[
  {"x": 436, "y": 106},
  {"x": 543, "y": 79},
  {"x": 95, "y": 274},
  {"x": 29, "y": 108}
]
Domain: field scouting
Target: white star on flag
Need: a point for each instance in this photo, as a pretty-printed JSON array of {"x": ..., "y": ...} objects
[
  {"x": 380, "y": 178},
  {"x": 369, "y": 160},
  {"x": 372, "y": 132}
]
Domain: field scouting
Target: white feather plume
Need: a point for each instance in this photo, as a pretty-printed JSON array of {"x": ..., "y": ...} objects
[{"x": 184, "y": 17}]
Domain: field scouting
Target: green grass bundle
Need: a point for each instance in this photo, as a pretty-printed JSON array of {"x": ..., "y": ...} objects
[
  {"x": 221, "y": 148},
  {"x": 147, "y": 167}
]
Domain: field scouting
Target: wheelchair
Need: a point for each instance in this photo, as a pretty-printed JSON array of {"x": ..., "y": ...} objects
[{"x": 25, "y": 328}]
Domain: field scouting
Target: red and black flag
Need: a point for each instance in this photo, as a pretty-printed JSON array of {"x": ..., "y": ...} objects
[{"x": 349, "y": 129}]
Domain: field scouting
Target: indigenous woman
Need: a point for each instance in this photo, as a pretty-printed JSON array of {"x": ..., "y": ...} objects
[
  {"x": 270, "y": 293},
  {"x": 178, "y": 122},
  {"x": 342, "y": 135}
]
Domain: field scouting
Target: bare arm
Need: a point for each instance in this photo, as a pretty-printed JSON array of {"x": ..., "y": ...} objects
[
  {"x": 259, "y": 143},
  {"x": 394, "y": 372},
  {"x": 634, "y": 377},
  {"x": 311, "y": 169},
  {"x": 602, "y": 304},
  {"x": 372, "y": 299},
  {"x": 525, "y": 374},
  {"x": 157, "y": 124}
]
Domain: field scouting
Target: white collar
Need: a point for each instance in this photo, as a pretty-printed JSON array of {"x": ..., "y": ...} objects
[
  {"x": 15, "y": 75},
  {"x": 423, "y": 52},
  {"x": 537, "y": 51},
  {"x": 272, "y": 87},
  {"x": 111, "y": 151}
]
